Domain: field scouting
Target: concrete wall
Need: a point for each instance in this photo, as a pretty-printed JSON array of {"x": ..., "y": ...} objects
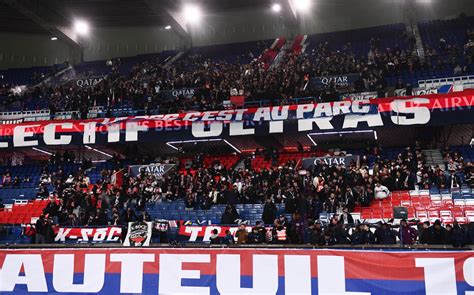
[
  {"x": 27, "y": 50},
  {"x": 238, "y": 26},
  {"x": 121, "y": 42}
]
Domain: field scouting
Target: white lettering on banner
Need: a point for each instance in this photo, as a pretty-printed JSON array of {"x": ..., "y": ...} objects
[
  {"x": 89, "y": 132},
  {"x": 131, "y": 272},
  {"x": 29, "y": 270},
  {"x": 468, "y": 271},
  {"x": 85, "y": 233},
  {"x": 194, "y": 231},
  {"x": 440, "y": 275},
  {"x": 352, "y": 121},
  {"x": 192, "y": 116},
  {"x": 265, "y": 274},
  {"x": 323, "y": 110},
  {"x": 62, "y": 234},
  {"x": 198, "y": 129},
  {"x": 308, "y": 117},
  {"x": 361, "y": 106},
  {"x": 94, "y": 273},
  {"x": 297, "y": 274},
  {"x": 237, "y": 128},
  {"x": 341, "y": 107},
  {"x": 332, "y": 278},
  {"x": 302, "y": 109},
  {"x": 276, "y": 127},
  {"x": 50, "y": 134},
  {"x": 208, "y": 232},
  {"x": 113, "y": 133},
  {"x": 262, "y": 113},
  {"x": 240, "y": 114},
  {"x": 34, "y": 277},
  {"x": 280, "y": 113},
  {"x": 421, "y": 114},
  {"x": 132, "y": 129},
  {"x": 322, "y": 123},
  {"x": 225, "y": 115},
  {"x": 20, "y": 134},
  {"x": 171, "y": 273},
  {"x": 209, "y": 116}
]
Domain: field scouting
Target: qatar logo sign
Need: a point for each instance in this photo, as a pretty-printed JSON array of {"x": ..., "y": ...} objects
[
  {"x": 89, "y": 82},
  {"x": 156, "y": 169},
  {"x": 235, "y": 271}
]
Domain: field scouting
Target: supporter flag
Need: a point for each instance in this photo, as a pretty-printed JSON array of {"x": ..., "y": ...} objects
[
  {"x": 138, "y": 234},
  {"x": 117, "y": 178}
]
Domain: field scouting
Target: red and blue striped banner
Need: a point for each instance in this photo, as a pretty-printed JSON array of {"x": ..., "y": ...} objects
[{"x": 235, "y": 271}]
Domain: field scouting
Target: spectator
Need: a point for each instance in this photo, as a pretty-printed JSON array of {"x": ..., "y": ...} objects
[
  {"x": 437, "y": 235},
  {"x": 258, "y": 234},
  {"x": 424, "y": 233},
  {"x": 214, "y": 238},
  {"x": 406, "y": 233},
  {"x": 229, "y": 238},
  {"x": 346, "y": 217},
  {"x": 384, "y": 235},
  {"x": 279, "y": 234},
  {"x": 269, "y": 211},
  {"x": 381, "y": 192},
  {"x": 241, "y": 234},
  {"x": 41, "y": 229},
  {"x": 230, "y": 215}
]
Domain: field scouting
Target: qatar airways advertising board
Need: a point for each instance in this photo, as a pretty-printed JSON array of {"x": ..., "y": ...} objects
[{"x": 235, "y": 271}]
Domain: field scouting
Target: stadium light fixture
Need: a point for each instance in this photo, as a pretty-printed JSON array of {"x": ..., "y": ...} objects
[
  {"x": 81, "y": 27},
  {"x": 302, "y": 5},
  {"x": 276, "y": 7},
  {"x": 54, "y": 38},
  {"x": 168, "y": 27},
  {"x": 192, "y": 13}
]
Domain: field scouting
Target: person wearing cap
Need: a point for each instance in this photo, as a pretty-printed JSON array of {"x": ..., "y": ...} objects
[{"x": 406, "y": 233}]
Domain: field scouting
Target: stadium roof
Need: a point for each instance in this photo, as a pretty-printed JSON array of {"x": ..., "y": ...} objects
[{"x": 15, "y": 15}]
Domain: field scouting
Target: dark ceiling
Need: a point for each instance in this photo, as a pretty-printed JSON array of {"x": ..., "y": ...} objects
[
  {"x": 13, "y": 21},
  {"x": 106, "y": 13}
]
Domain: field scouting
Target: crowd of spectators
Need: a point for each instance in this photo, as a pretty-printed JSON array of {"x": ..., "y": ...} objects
[
  {"x": 337, "y": 232},
  {"x": 215, "y": 80},
  {"x": 304, "y": 193}
]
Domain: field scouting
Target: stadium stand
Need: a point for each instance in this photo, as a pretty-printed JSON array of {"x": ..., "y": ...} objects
[{"x": 209, "y": 187}]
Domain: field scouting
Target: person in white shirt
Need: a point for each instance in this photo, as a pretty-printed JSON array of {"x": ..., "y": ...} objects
[{"x": 381, "y": 192}]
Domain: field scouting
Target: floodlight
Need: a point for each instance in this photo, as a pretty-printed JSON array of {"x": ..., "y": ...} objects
[
  {"x": 276, "y": 7},
  {"x": 81, "y": 27},
  {"x": 302, "y": 5},
  {"x": 192, "y": 13},
  {"x": 54, "y": 38},
  {"x": 168, "y": 27}
]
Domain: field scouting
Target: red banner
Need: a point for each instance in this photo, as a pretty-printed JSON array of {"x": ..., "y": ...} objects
[
  {"x": 88, "y": 234},
  {"x": 203, "y": 233}
]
